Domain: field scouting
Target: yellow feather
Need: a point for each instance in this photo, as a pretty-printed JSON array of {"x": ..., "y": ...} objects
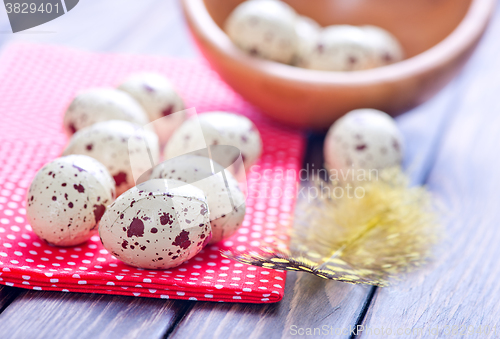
[{"x": 371, "y": 239}]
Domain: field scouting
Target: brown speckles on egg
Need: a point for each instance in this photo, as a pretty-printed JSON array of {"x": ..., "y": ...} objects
[
  {"x": 207, "y": 240},
  {"x": 72, "y": 128},
  {"x": 387, "y": 57},
  {"x": 253, "y": 21},
  {"x": 386, "y": 47},
  {"x": 167, "y": 111},
  {"x": 79, "y": 168},
  {"x": 395, "y": 145},
  {"x": 136, "y": 228},
  {"x": 352, "y": 60},
  {"x": 182, "y": 240},
  {"x": 148, "y": 88},
  {"x": 166, "y": 219},
  {"x": 254, "y": 51},
  {"x": 79, "y": 188}
]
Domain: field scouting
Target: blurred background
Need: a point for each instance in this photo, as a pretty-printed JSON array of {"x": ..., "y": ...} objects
[{"x": 137, "y": 27}]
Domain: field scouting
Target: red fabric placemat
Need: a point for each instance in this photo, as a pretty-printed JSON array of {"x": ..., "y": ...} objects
[{"x": 36, "y": 85}]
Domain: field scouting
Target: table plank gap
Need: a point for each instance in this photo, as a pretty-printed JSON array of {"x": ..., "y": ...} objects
[
  {"x": 7, "y": 296},
  {"x": 186, "y": 306}
]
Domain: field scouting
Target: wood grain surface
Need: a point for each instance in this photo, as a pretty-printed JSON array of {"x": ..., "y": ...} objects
[
  {"x": 459, "y": 292},
  {"x": 74, "y": 315},
  {"x": 308, "y": 302},
  {"x": 451, "y": 145}
]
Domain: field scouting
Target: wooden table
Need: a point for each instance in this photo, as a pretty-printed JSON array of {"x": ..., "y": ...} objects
[{"x": 453, "y": 144}]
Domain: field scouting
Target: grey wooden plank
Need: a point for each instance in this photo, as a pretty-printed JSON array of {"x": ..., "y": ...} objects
[
  {"x": 74, "y": 315},
  {"x": 459, "y": 291},
  {"x": 7, "y": 295},
  {"x": 309, "y": 302},
  {"x": 139, "y": 27}
]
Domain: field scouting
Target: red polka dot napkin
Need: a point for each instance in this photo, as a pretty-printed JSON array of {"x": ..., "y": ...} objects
[{"x": 38, "y": 82}]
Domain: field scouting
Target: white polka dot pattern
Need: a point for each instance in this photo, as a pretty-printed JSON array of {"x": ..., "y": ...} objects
[{"x": 38, "y": 83}]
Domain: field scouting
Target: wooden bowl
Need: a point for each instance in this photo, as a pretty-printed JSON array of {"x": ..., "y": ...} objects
[{"x": 438, "y": 38}]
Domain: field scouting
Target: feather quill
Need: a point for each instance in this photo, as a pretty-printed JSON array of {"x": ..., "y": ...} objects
[{"x": 372, "y": 238}]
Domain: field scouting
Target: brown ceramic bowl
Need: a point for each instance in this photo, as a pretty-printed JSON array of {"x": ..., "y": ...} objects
[{"x": 438, "y": 38}]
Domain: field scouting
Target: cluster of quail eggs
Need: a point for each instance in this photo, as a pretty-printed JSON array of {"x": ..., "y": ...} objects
[
  {"x": 271, "y": 29},
  {"x": 111, "y": 178}
]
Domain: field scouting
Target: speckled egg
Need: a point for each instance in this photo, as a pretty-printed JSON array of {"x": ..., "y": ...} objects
[
  {"x": 67, "y": 199},
  {"x": 264, "y": 28},
  {"x": 159, "y": 99},
  {"x": 219, "y": 128},
  {"x": 157, "y": 224},
  {"x": 386, "y": 47},
  {"x": 308, "y": 32},
  {"x": 101, "y": 104},
  {"x": 340, "y": 48},
  {"x": 225, "y": 199},
  {"x": 126, "y": 149},
  {"x": 363, "y": 139}
]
